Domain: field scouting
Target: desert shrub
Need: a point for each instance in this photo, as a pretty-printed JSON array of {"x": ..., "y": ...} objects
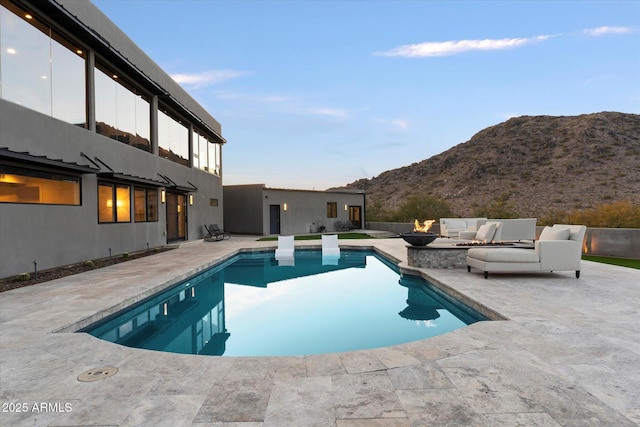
[
  {"x": 421, "y": 208},
  {"x": 619, "y": 214},
  {"x": 23, "y": 277},
  {"x": 499, "y": 208}
]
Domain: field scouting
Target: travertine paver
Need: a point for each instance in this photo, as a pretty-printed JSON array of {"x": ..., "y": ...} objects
[{"x": 569, "y": 354}]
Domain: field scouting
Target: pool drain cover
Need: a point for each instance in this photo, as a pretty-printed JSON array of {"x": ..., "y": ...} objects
[{"x": 97, "y": 374}]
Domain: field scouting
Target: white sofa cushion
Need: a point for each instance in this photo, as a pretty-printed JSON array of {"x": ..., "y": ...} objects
[
  {"x": 503, "y": 255},
  {"x": 457, "y": 225},
  {"x": 485, "y": 232},
  {"x": 498, "y": 233},
  {"x": 555, "y": 233}
]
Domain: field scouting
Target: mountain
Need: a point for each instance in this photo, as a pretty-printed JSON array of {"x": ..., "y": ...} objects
[{"x": 537, "y": 164}]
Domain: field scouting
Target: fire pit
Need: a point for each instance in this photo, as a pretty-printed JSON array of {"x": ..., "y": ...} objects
[{"x": 420, "y": 236}]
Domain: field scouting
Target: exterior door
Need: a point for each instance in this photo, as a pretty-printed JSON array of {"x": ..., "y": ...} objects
[
  {"x": 355, "y": 216},
  {"x": 176, "y": 217},
  {"x": 274, "y": 219}
]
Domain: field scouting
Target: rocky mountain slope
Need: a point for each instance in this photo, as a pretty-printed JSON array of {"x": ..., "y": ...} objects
[{"x": 536, "y": 163}]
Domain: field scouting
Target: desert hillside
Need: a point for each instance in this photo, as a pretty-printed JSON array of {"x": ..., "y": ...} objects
[{"x": 536, "y": 163}]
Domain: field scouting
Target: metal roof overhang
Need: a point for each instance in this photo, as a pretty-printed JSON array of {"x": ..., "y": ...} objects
[
  {"x": 26, "y": 157},
  {"x": 169, "y": 183},
  {"x": 132, "y": 178}
]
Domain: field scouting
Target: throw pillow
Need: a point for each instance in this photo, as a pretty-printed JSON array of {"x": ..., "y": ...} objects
[
  {"x": 485, "y": 232},
  {"x": 554, "y": 233}
]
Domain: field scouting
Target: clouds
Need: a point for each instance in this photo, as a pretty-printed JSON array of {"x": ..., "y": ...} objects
[
  {"x": 206, "y": 78},
  {"x": 332, "y": 112},
  {"x": 455, "y": 47},
  {"x": 602, "y": 31},
  {"x": 394, "y": 123}
]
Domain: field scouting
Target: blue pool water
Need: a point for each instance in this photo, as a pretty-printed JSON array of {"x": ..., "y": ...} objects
[{"x": 252, "y": 306}]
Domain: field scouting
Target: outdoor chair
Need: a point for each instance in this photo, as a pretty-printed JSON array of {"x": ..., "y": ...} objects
[
  {"x": 215, "y": 233},
  {"x": 286, "y": 249},
  {"x": 330, "y": 246}
]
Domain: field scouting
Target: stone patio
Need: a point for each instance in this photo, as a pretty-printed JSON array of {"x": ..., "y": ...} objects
[{"x": 568, "y": 355}]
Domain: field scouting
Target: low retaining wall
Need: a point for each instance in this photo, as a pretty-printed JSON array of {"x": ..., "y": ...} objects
[{"x": 615, "y": 242}]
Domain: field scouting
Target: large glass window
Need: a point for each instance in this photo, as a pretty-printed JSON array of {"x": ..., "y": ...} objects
[
  {"x": 173, "y": 139},
  {"x": 21, "y": 185},
  {"x": 215, "y": 158},
  {"x": 114, "y": 202},
  {"x": 121, "y": 113},
  {"x": 204, "y": 152},
  {"x": 40, "y": 69},
  {"x": 145, "y": 204},
  {"x": 207, "y": 154}
]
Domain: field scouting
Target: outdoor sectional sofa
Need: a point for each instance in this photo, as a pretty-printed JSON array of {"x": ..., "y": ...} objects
[
  {"x": 511, "y": 230},
  {"x": 559, "y": 248},
  {"x": 451, "y": 227}
]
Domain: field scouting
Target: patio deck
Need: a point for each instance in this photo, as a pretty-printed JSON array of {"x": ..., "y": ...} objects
[{"x": 568, "y": 355}]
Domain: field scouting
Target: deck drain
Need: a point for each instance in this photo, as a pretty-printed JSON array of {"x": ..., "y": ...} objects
[{"x": 97, "y": 374}]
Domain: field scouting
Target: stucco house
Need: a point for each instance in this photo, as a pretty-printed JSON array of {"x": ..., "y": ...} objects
[
  {"x": 258, "y": 209},
  {"x": 101, "y": 151}
]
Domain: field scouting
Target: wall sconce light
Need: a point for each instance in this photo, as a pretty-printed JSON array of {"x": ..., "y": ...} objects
[
  {"x": 285, "y": 207},
  {"x": 163, "y": 196},
  {"x": 346, "y": 207},
  {"x": 190, "y": 199}
]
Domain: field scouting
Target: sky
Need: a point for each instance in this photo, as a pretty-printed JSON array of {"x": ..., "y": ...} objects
[{"x": 318, "y": 94}]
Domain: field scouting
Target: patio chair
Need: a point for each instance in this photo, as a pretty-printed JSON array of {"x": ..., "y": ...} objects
[
  {"x": 215, "y": 233},
  {"x": 286, "y": 249}
]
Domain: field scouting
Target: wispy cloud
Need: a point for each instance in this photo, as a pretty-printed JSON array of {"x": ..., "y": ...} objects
[
  {"x": 267, "y": 99},
  {"x": 455, "y": 47},
  {"x": 602, "y": 31},
  {"x": 396, "y": 123},
  {"x": 333, "y": 112},
  {"x": 196, "y": 80}
]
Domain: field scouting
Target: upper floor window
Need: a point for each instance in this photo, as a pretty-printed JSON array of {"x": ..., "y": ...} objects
[
  {"x": 206, "y": 154},
  {"x": 121, "y": 113},
  {"x": 173, "y": 139},
  {"x": 23, "y": 185},
  {"x": 215, "y": 156},
  {"x": 40, "y": 69}
]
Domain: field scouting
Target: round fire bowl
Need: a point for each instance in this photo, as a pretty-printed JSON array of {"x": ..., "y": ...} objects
[{"x": 419, "y": 239}]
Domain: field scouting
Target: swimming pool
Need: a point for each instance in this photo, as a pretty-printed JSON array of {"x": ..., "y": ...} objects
[{"x": 251, "y": 306}]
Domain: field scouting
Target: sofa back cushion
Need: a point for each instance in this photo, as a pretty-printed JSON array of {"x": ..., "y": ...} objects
[
  {"x": 497, "y": 235},
  {"x": 555, "y": 233},
  {"x": 457, "y": 224},
  {"x": 485, "y": 232}
]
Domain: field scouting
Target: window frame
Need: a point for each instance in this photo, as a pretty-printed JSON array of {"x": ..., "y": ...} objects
[
  {"x": 10, "y": 168},
  {"x": 148, "y": 192},
  {"x": 332, "y": 209},
  {"x": 114, "y": 206}
]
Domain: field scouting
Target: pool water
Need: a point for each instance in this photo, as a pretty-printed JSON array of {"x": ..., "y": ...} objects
[{"x": 251, "y": 305}]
